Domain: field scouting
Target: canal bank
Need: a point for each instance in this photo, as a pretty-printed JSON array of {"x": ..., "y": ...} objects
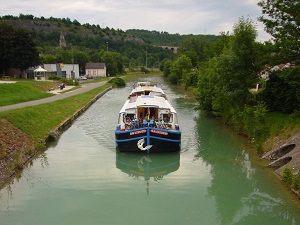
[
  {"x": 18, "y": 148},
  {"x": 81, "y": 179}
]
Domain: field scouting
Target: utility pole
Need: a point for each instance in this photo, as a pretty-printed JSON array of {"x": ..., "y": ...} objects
[{"x": 146, "y": 56}]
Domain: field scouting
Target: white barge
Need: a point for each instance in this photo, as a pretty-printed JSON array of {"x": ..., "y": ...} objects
[{"x": 147, "y": 122}]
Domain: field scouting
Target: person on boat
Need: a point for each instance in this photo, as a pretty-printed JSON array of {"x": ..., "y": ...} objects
[{"x": 147, "y": 117}]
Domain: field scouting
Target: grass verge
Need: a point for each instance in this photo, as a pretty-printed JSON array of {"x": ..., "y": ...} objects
[
  {"x": 23, "y": 91},
  {"x": 38, "y": 121}
]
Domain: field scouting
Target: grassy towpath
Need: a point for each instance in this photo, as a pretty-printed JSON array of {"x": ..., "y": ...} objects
[
  {"x": 25, "y": 126},
  {"x": 50, "y": 98}
]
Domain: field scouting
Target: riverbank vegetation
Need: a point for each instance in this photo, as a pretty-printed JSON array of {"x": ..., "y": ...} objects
[{"x": 253, "y": 87}]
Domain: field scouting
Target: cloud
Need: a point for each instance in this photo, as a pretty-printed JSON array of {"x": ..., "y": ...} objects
[{"x": 173, "y": 16}]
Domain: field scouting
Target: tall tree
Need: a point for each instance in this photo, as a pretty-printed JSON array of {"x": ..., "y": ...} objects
[
  {"x": 113, "y": 61},
  {"x": 282, "y": 21},
  {"x": 224, "y": 80},
  {"x": 17, "y": 49},
  {"x": 195, "y": 44},
  {"x": 179, "y": 67}
]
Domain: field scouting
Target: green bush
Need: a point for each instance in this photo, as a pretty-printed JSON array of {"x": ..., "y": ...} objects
[
  {"x": 69, "y": 81},
  {"x": 144, "y": 70},
  {"x": 297, "y": 183},
  {"x": 117, "y": 82},
  {"x": 288, "y": 176},
  {"x": 64, "y": 80},
  {"x": 53, "y": 77},
  {"x": 282, "y": 92}
]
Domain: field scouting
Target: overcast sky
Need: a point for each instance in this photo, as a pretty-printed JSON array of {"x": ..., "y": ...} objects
[{"x": 172, "y": 16}]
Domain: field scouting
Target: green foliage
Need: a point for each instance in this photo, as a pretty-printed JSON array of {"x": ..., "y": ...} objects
[
  {"x": 117, "y": 82},
  {"x": 224, "y": 80},
  {"x": 206, "y": 88},
  {"x": 251, "y": 121},
  {"x": 17, "y": 161},
  {"x": 192, "y": 55},
  {"x": 64, "y": 80},
  {"x": 167, "y": 68},
  {"x": 267, "y": 54},
  {"x": 54, "y": 78},
  {"x": 85, "y": 42},
  {"x": 190, "y": 79},
  {"x": 282, "y": 91},
  {"x": 17, "y": 49},
  {"x": 164, "y": 38},
  {"x": 69, "y": 81},
  {"x": 297, "y": 182},
  {"x": 3, "y": 150},
  {"x": 243, "y": 48},
  {"x": 114, "y": 63},
  {"x": 219, "y": 46},
  {"x": 288, "y": 176},
  {"x": 281, "y": 18},
  {"x": 144, "y": 70},
  {"x": 197, "y": 45},
  {"x": 180, "y": 66}
]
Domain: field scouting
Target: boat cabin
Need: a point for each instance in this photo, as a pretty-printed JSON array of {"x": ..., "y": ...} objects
[{"x": 147, "y": 111}]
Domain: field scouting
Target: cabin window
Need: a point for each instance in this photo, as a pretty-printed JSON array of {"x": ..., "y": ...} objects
[
  {"x": 128, "y": 117},
  {"x": 167, "y": 118}
]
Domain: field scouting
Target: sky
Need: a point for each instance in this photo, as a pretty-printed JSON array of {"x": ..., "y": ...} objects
[{"x": 172, "y": 16}]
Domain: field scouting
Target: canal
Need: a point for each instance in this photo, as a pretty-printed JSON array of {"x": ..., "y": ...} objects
[{"x": 214, "y": 180}]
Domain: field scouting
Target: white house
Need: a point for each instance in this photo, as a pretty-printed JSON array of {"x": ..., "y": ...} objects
[
  {"x": 95, "y": 70},
  {"x": 69, "y": 71},
  {"x": 43, "y": 72}
]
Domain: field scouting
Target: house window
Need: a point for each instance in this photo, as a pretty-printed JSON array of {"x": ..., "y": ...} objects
[{"x": 94, "y": 72}]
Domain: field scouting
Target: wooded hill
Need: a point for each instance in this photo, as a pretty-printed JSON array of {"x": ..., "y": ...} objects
[{"x": 86, "y": 41}]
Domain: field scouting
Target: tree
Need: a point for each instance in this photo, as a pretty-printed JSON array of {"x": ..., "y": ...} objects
[
  {"x": 166, "y": 68},
  {"x": 113, "y": 61},
  {"x": 216, "y": 48},
  {"x": 224, "y": 80},
  {"x": 282, "y": 21},
  {"x": 17, "y": 49},
  {"x": 282, "y": 91},
  {"x": 244, "y": 51},
  {"x": 195, "y": 44},
  {"x": 179, "y": 67}
]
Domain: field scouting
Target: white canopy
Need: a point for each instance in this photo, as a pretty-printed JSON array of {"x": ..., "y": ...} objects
[{"x": 40, "y": 69}]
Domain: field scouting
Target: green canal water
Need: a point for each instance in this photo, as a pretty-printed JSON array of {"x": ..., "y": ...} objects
[{"x": 214, "y": 180}]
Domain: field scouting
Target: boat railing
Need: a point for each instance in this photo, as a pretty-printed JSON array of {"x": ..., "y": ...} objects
[{"x": 136, "y": 123}]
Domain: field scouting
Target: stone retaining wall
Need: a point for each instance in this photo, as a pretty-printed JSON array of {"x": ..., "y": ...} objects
[{"x": 54, "y": 134}]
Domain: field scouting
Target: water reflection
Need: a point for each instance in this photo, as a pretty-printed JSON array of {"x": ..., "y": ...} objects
[
  {"x": 242, "y": 195},
  {"x": 148, "y": 166}
]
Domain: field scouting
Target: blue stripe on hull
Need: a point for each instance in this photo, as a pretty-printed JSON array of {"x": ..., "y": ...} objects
[{"x": 161, "y": 140}]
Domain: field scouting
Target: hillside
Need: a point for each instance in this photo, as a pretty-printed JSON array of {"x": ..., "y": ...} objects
[
  {"x": 166, "y": 39},
  {"x": 86, "y": 42},
  {"x": 49, "y": 29}
]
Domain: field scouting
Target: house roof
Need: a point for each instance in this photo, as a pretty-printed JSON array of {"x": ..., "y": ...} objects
[{"x": 95, "y": 66}]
